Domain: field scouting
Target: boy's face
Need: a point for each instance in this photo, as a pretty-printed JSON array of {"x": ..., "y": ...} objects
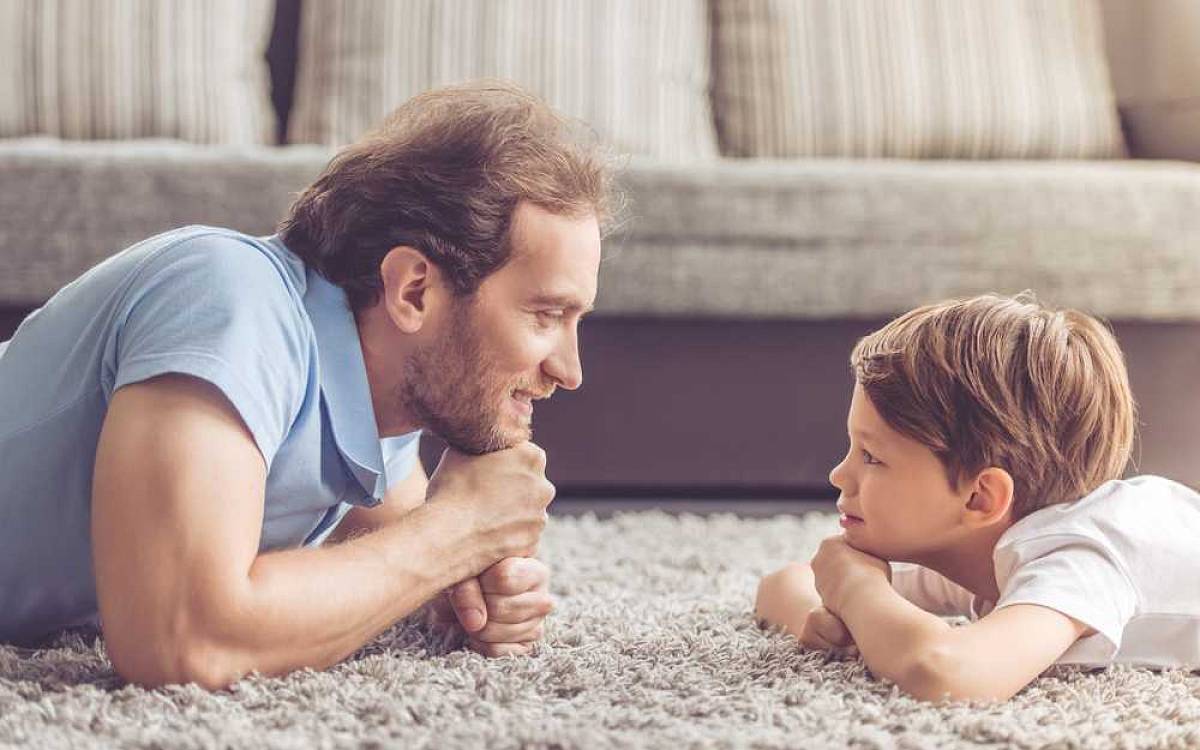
[{"x": 896, "y": 500}]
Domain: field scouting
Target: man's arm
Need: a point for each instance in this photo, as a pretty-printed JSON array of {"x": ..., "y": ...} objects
[
  {"x": 402, "y": 498},
  {"x": 991, "y": 659},
  {"x": 184, "y": 595},
  {"x": 501, "y": 610}
]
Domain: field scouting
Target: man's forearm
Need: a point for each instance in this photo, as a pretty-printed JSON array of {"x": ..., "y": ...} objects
[
  {"x": 313, "y": 607},
  {"x": 893, "y": 635}
]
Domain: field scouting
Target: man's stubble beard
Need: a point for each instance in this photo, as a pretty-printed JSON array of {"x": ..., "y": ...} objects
[{"x": 448, "y": 386}]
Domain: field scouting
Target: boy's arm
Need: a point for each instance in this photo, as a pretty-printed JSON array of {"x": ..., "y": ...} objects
[
  {"x": 788, "y": 598},
  {"x": 991, "y": 659}
]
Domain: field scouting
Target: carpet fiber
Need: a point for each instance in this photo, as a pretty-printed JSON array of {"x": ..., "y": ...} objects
[{"x": 652, "y": 644}]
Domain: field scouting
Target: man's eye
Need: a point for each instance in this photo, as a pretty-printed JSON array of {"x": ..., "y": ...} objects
[
  {"x": 549, "y": 316},
  {"x": 869, "y": 459}
]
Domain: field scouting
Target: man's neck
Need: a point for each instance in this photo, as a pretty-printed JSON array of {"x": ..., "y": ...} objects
[{"x": 384, "y": 360}]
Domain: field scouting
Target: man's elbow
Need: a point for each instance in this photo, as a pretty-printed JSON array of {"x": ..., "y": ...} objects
[
  {"x": 174, "y": 661},
  {"x": 937, "y": 673}
]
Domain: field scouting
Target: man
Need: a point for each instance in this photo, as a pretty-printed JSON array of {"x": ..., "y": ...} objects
[{"x": 182, "y": 427}]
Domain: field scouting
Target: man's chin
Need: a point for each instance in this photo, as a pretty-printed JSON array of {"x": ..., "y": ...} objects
[{"x": 498, "y": 440}]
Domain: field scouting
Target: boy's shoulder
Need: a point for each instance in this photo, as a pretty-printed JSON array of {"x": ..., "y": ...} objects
[{"x": 1139, "y": 508}]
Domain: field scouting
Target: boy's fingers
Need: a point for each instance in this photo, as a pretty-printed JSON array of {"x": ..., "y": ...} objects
[
  {"x": 830, "y": 628},
  {"x": 469, "y": 606}
]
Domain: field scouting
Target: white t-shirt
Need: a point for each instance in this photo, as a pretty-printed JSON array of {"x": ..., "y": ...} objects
[{"x": 1124, "y": 560}]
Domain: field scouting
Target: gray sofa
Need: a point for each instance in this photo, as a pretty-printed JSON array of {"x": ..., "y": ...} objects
[{"x": 715, "y": 364}]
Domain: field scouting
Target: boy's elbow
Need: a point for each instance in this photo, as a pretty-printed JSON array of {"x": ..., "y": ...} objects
[{"x": 936, "y": 673}]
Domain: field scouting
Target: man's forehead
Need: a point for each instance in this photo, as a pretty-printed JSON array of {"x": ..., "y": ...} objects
[{"x": 555, "y": 256}]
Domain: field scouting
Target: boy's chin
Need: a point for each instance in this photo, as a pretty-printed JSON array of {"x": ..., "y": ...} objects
[{"x": 869, "y": 547}]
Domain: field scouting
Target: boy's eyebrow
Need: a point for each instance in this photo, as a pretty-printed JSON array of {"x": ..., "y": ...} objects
[{"x": 866, "y": 435}]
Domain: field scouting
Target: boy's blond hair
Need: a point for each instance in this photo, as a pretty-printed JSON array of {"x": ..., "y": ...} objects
[{"x": 1006, "y": 382}]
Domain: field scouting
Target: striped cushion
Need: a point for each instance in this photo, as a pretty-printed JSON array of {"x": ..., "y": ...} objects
[
  {"x": 913, "y": 79},
  {"x": 115, "y": 69},
  {"x": 636, "y": 71}
]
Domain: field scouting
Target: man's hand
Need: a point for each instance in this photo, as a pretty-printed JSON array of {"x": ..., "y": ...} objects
[
  {"x": 503, "y": 609},
  {"x": 839, "y": 570},
  {"x": 500, "y": 498}
]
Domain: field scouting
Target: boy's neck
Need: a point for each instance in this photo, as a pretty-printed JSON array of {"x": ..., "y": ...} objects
[{"x": 969, "y": 562}]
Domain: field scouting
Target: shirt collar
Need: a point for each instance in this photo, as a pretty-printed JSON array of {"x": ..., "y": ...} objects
[{"x": 344, "y": 387}]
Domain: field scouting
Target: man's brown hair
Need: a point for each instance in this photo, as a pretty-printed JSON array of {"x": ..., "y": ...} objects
[
  {"x": 1005, "y": 382},
  {"x": 443, "y": 174}
]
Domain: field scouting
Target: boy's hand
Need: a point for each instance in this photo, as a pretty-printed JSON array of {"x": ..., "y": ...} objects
[
  {"x": 825, "y": 631},
  {"x": 839, "y": 569},
  {"x": 503, "y": 609}
]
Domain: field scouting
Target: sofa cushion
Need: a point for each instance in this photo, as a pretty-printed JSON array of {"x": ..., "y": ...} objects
[
  {"x": 635, "y": 71},
  {"x": 1154, "y": 54},
  {"x": 735, "y": 239},
  {"x": 105, "y": 69},
  {"x": 912, "y": 79},
  {"x": 865, "y": 238}
]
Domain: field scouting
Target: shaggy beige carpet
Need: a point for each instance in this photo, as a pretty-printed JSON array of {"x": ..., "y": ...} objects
[{"x": 652, "y": 645}]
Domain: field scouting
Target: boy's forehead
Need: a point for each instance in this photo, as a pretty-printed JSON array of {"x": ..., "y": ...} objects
[{"x": 864, "y": 421}]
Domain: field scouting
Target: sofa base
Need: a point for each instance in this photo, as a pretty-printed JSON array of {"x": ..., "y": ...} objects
[{"x": 757, "y": 409}]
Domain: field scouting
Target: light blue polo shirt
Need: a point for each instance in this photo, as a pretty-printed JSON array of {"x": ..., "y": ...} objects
[{"x": 240, "y": 312}]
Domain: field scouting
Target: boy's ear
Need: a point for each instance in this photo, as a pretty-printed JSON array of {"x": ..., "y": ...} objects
[
  {"x": 991, "y": 498},
  {"x": 409, "y": 281}
]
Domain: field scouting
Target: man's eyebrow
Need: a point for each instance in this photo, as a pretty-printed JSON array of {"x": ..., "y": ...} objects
[{"x": 563, "y": 301}]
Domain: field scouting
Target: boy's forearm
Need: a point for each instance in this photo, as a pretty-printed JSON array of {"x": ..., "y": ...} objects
[
  {"x": 894, "y": 636},
  {"x": 787, "y": 596}
]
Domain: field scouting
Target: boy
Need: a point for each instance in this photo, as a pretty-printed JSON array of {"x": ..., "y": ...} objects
[{"x": 986, "y": 441}]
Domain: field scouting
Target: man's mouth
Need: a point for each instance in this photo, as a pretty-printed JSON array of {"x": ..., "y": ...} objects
[{"x": 523, "y": 400}]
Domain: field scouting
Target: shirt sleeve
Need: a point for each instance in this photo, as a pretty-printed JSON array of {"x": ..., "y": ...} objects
[
  {"x": 219, "y": 309},
  {"x": 930, "y": 590},
  {"x": 1074, "y": 575}
]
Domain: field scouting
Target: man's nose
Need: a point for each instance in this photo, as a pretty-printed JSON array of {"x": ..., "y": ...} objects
[{"x": 564, "y": 366}]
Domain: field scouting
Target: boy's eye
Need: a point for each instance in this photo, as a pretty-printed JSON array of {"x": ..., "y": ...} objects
[{"x": 869, "y": 459}]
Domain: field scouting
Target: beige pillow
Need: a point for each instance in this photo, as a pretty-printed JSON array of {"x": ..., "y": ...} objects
[
  {"x": 636, "y": 71},
  {"x": 115, "y": 69},
  {"x": 913, "y": 79}
]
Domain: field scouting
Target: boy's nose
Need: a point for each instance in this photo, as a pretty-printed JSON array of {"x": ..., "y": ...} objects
[{"x": 837, "y": 476}]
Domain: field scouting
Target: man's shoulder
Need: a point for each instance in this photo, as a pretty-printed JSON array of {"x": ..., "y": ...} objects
[{"x": 247, "y": 264}]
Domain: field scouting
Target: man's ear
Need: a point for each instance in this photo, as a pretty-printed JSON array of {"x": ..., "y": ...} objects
[
  {"x": 991, "y": 498},
  {"x": 409, "y": 279}
]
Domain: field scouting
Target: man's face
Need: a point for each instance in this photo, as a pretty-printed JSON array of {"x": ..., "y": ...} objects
[
  {"x": 896, "y": 501},
  {"x": 512, "y": 342}
]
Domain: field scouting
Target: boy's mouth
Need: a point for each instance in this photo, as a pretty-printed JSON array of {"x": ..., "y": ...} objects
[{"x": 848, "y": 520}]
